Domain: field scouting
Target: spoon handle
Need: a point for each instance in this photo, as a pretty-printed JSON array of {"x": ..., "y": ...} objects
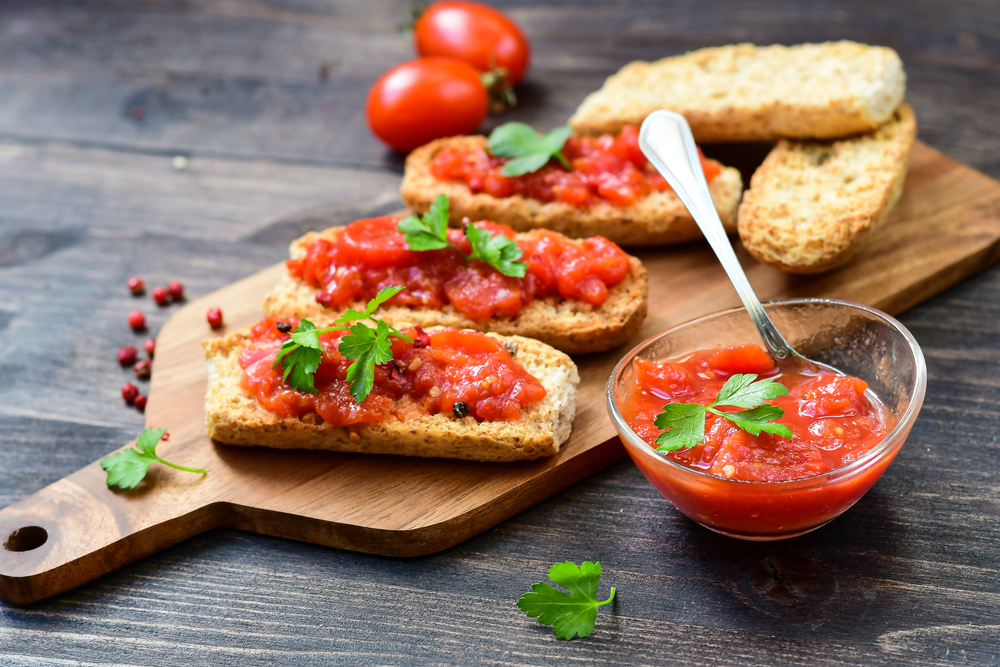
[{"x": 666, "y": 140}]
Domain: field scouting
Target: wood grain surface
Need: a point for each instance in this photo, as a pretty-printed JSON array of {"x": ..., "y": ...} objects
[{"x": 265, "y": 100}]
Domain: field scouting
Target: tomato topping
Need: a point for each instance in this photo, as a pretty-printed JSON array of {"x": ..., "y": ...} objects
[
  {"x": 370, "y": 254},
  {"x": 833, "y": 421},
  {"x": 610, "y": 169},
  {"x": 449, "y": 366}
]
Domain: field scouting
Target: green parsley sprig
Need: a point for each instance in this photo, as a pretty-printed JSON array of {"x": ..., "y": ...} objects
[
  {"x": 529, "y": 151},
  {"x": 572, "y": 613},
  {"x": 430, "y": 232},
  {"x": 300, "y": 355},
  {"x": 686, "y": 421},
  {"x": 128, "y": 467}
]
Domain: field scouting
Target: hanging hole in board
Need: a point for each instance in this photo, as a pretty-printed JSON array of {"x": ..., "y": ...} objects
[{"x": 26, "y": 539}]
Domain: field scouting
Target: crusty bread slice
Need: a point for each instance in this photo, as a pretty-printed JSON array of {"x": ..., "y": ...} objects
[
  {"x": 744, "y": 92},
  {"x": 656, "y": 219},
  {"x": 811, "y": 205},
  {"x": 571, "y": 326},
  {"x": 234, "y": 418}
]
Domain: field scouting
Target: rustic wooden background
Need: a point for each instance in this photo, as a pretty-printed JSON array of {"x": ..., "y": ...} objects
[{"x": 266, "y": 100}]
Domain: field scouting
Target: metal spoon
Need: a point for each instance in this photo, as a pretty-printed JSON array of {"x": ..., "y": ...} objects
[{"x": 666, "y": 140}]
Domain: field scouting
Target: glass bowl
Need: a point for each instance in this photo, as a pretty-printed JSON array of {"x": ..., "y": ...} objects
[{"x": 858, "y": 340}]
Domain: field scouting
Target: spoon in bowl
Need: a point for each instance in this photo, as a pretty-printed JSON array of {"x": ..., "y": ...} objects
[{"x": 666, "y": 140}]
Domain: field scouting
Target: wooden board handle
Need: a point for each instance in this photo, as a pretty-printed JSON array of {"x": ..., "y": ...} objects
[{"x": 77, "y": 529}]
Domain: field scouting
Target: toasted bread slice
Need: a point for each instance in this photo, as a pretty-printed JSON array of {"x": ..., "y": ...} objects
[
  {"x": 744, "y": 92},
  {"x": 571, "y": 326},
  {"x": 657, "y": 219},
  {"x": 234, "y": 418},
  {"x": 812, "y": 205}
]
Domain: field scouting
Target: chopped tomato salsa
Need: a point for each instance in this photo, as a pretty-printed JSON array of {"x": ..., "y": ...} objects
[
  {"x": 833, "y": 421},
  {"x": 427, "y": 376},
  {"x": 371, "y": 254},
  {"x": 610, "y": 169}
]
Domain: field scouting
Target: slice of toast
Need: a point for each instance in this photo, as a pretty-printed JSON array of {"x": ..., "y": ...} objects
[
  {"x": 656, "y": 219},
  {"x": 571, "y": 326},
  {"x": 811, "y": 205},
  {"x": 744, "y": 92},
  {"x": 234, "y": 418}
]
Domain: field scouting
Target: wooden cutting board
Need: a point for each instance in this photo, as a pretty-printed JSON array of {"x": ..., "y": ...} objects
[{"x": 945, "y": 228}]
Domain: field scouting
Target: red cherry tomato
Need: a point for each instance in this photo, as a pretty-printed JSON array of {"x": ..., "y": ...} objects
[
  {"x": 480, "y": 35},
  {"x": 426, "y": 99}
]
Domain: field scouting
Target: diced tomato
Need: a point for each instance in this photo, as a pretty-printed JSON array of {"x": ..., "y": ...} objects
[{"x": 742, "y": 359}]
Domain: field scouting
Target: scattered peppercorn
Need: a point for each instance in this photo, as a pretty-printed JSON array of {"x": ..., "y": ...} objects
[
  {"x": 324, "y": 298},
  {"x": 126, "y": 356},
  {"x": 135, "y": 285},
  {"x": 176, "y": 290},
  {"x": 165, "y": 437},
  {"x": 142, "y": 368},
  {"x": 284, "y": 327},
  {"x": 150, "y": 347},
  {"x": 421, "y": 339},
  {"x": 161, "y": 296},
  {"x": 214, "y": 317},
  {"x": 129, "y": 392},
  {"x": 510, "y": 346},
  {"x": 140, "y": 402},
  {"x": 136, "y": 320},
  {"x": 460, "y": 409}
]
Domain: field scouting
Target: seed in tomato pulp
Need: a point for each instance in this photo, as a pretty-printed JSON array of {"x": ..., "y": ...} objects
[
  {"x": 126, "y": 356},
  {"x": 140, "y": 402},
  {"x": 150, "y": 347},
  {"x": 176, "y": 290},
  {"x": 214, "y": 317},
  {"x": 137, "y": 320},
  {"x": 129, "y": 392},
  {"x": 161, "y": 296},
  {"x": 135, "y": 285},
  {"x": 142, "y": 368},
  {"x": 425, "y": 99},
  {"x": 482, "y": 36},
  {"x": 324, "y": 298}
]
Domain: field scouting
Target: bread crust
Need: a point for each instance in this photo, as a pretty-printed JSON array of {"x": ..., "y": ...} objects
[
  {"x": 234, "y": 418},
  {"x": 656, "y": 219},
  {"x": 571, "y": 326},
  {"x": 812, "y": 205},
  {"x": 743, "y": 92}
]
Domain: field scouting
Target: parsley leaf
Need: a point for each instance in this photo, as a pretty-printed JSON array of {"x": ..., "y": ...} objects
[
  {"x": 685, "y": 422},
  {"x": 301, "y": 354},
  {"x": 572, "y": 613},
  {"x": 497, "y": 250},
  {"x": 128, "y": 467},
  {"x": 368, "y": 348},
  {"x": 429, "y": 231},
  {"x": 529, "y": 151}
]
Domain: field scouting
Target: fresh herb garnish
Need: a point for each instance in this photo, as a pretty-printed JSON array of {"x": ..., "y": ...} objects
[
  {"x": 572, "y": 613},
  {"x": 686, "y": 421},
  {"x": 430, "y": 232},
  {"x": 300, "y": 355},
  {"x": 127, "y": 468},
  {"x": 529, "y": 151}
]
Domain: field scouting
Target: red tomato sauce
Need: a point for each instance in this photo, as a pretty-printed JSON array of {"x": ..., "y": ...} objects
[
  {"x": 371, "y": 254},
  {"x": 833, "y": 421},
  {"x": 606, "y": 169},
  {"x": 426, "y": 377}
]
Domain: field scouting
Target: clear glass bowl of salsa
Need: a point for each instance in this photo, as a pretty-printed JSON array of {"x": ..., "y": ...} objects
[{"x": 860, "y": 341}]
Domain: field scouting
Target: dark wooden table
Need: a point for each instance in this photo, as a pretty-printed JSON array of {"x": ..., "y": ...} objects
[{"x": 265, "y": 99}]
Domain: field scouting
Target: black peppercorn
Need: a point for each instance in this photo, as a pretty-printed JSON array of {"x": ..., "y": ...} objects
[
  {"x": 460, "y": 409},
  {"x": 284, "y": 327}
]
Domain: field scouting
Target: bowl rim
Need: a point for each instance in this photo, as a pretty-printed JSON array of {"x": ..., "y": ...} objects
[{"x": 897, "y": 434}]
